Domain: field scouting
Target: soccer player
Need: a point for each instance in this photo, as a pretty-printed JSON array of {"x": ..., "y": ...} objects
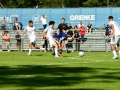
[
  {"x": 30, "y": 30},
  {"x": 63, "y": 38},
  {"x": 115, "y": 39},
  {"x": 48, "y": 34}
]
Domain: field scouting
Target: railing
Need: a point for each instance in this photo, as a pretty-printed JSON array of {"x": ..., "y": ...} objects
[{"x": 88, "y": 45}]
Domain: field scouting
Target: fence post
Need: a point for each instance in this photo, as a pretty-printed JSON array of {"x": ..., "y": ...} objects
[
  {"x": 105, "y": 46},
  {"x": 21, "y": 44}
]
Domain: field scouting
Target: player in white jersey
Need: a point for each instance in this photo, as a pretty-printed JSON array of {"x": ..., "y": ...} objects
[
  {"x": 115, "y": 39},
  {"x": 30, "y": 30},
  {"x": 48, "y": 34}
]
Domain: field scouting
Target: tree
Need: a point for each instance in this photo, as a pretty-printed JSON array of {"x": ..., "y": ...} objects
[{"x": 57, "y": 3}]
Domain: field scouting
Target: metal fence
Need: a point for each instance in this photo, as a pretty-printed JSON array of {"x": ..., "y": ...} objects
[{"x": 94, "y": 44}]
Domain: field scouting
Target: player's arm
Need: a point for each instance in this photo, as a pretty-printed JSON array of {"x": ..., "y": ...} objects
[
  {"x": 45, "y": 34},
  {"x": 24, "y": 33}
]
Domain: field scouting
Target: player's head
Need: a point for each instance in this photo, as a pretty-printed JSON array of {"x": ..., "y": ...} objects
[
  {"x": 31, "y": 23},
  {"x": 63, "y": 20},
  {"x": 110, "y": 18},
  {"x": 51, "y": 23},
  {"x": 64, "y": 29}
]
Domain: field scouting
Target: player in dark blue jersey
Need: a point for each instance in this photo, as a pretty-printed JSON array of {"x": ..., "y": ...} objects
[{"x": 63, "y": 38}]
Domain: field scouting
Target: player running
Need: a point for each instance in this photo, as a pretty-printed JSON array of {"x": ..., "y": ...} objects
[
  {"x": 48, "y": 34},
  {"x": 30, "y": 30},
  {"x": 115, "y": 33}
]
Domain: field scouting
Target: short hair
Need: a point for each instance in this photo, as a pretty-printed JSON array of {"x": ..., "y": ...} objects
[
  {"x": 110, "y": 17},
  {"x": 51, "y": 22},
  {"x": 30, "y": 21},
  {"x": 63, "y": 18}
]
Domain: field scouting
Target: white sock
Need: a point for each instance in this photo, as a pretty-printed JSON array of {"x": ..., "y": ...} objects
[
  {"x": 119, "y": 52},
  {"x": 114, "y": 52},
  {"x": 56, "y": 52},
  {"x": 42, "y": 48},
  {"x": 30, "y": 51}
]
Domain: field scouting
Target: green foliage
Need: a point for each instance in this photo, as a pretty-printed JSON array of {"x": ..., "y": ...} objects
[{"x": 58, "y": 3}]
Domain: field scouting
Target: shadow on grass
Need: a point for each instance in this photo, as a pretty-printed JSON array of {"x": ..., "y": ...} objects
[
  {"x": 41, "y": 76},
  {"x": 47, "y": 75}
]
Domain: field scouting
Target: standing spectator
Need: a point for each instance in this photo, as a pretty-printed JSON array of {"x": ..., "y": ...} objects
[
  {"x": 6, "y": 37},
  {"x": 17, "y": 24},
  {"x": 82, "y": 33},
  {"x": 3, "y": 24},
  {"x": 45, "y": 43},
  {"x": 44, "y": 21},
  {"x": 77, "y": 38},
  {"x": 69, "y": 41},
  {"x": 18, "y": 38},
  {"x": 75, "y": 29},
  {"x": 62, "y": 25},
  {"x": 81, "y": 24},
  {"x": 89, "y": 27},
  {"x": 107, "y": 30},
  {"x": 69, "y": 26}
]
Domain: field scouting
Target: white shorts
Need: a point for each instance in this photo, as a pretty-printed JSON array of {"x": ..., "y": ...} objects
[
  {"x": 115, "y": 40},
  {"x": 32, "y": 39},
  {"x": 51, "y": 41}
]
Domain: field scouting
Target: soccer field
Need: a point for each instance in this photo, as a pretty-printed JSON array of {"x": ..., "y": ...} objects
[{"x": 41, "y": 71}]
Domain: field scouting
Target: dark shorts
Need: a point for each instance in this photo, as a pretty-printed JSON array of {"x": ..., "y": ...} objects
[
  {"x": 18, "y": 43},
  {"x": 34, "y": 43}
]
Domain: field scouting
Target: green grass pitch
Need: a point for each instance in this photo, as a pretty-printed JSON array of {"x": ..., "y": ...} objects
[{"x": 41, "y": 71}]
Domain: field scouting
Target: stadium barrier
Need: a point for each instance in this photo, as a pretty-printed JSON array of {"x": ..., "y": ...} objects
[{"x": 89, "y": 45}]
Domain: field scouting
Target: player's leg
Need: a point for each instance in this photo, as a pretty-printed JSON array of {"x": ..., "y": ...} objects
[
  {"x": 37, "y": 47},
  {"x": 0, "y": 46},
  {"x": 112, "y": 43},
  {"x": 118, "y": 45},
  {"x": 61, "y": 49},
  {"x": 56, "y": 48},
  {"x": 30, "y": 48}
]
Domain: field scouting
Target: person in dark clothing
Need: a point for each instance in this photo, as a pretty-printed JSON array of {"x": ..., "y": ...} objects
[
  {"x": 107, "y": 30},
  {"x": 45, "y": 44},
  {"x": 18, "y": 38},
  {"x": 89, "y": 27},
  {"x": 62, "y": 25},
  {"x": 77, "y": 39}
]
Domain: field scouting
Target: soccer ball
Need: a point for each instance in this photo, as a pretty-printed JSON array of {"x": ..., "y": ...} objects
[{"x": 81, "y": 53}]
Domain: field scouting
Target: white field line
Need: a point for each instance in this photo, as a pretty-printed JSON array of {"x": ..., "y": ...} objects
[{"x": 84, "y": 61}]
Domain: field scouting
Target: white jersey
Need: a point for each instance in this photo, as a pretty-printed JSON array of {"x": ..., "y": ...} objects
[
  {"x": 79, "y": 25},
  {"x": 116, "y": 27},
  {"x": 30, "y": 31},
  {"x": 44, "y": 21},
  {"x": 49, "y": 32}
]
